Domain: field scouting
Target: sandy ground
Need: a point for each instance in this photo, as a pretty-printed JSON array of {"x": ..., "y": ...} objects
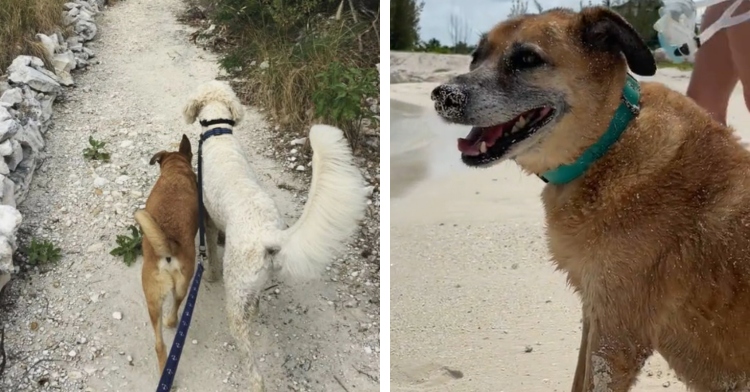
[
  {"x": 59, "y": 323},
  {"x": 475, "y": 303}
]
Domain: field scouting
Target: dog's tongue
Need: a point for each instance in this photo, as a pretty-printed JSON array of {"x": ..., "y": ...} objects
[{"x": 470, "y": 144}]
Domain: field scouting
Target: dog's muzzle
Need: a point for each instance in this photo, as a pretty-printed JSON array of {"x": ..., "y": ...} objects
[{"x": 450, "y": 101}]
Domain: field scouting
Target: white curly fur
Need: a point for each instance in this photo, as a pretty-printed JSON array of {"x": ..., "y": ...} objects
[{"x": 256, "y": 238}]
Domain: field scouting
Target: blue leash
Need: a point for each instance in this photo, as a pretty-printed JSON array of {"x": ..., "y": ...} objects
[{"x": 170, "y": 368}]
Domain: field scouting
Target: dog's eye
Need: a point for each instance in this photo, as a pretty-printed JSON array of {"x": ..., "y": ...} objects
[{"x": 525, "y": 59}]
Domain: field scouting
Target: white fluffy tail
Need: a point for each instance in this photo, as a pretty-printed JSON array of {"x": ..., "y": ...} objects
[{"x": 335, "y": 205}]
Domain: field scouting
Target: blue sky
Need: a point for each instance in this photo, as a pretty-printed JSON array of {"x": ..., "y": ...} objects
[{"x": 477, "y": 15}]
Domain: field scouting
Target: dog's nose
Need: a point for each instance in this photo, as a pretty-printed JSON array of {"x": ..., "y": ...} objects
[{"x": 450, "y": 101}]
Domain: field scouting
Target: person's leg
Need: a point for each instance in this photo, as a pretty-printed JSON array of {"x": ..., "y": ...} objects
[
  {"x": 738, "y": 38},
  {"x": 714, "y": 76}
]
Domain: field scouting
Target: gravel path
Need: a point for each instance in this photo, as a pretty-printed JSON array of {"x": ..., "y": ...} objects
[{"x": 82, "y": 324}]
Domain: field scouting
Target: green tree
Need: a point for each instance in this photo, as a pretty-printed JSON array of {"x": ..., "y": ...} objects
[
  {"x": 433, "y": 45},
  {"x": 405, "y": 23}
]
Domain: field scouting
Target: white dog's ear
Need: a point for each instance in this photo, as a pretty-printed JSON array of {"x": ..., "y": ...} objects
[
  {"x": 237, "y": 110},
  {"x": 191, "y": 110}
]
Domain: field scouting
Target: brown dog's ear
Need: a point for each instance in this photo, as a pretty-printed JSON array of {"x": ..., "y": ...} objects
[
  {"x": 605, "y": 30},
  {"x": 157, "y": 157},
  {"x": 185, "y": 148}
]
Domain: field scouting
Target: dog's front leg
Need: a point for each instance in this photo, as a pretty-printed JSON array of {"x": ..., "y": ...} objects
[
  {"x": 615, "y": 356},
  {"x": 579, "y": 380},
  {"x": 214, "y": 267}
]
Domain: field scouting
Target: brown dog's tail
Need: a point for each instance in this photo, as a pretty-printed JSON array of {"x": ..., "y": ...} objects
[{"x": 161, "y": 244}]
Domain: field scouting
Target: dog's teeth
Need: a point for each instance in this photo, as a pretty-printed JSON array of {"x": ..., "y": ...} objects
[
  {"x": 483, "y": 147},
  {"x": 519, "y": 124}
]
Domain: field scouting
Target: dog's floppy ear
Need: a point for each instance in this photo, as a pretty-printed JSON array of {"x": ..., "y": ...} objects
[
  {"x": 157, "y": 158},
  {"x": 235, "y": 107},
  {"x": 191, "y": 110},
  {"x": 605, "y": 30},
  {"x": 185, "y": 148}
]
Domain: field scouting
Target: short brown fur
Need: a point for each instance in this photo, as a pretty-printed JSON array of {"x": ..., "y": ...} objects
[
  {"x": 169, "y": 223},
  {"x": 655, "y": 237}
]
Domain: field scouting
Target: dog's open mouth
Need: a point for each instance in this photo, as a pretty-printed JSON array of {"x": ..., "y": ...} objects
[{"x": 484, "y": 145}]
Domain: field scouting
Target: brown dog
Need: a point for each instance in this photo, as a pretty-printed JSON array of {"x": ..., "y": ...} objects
[
  {"x": 169, "y": 224},
  {"x": 653, "y": 231}
]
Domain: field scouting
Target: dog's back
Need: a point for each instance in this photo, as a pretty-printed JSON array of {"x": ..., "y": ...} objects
[
  {"x": 169, "y": 223},
  {"x": 173, "y": 203}
]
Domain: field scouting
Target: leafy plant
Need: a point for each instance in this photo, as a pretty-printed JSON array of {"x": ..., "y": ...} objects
[
  {"x": 339, "y": 97},
  {"x": 95, "y": 151},
  {"x": 42, "y": 252},
  {"x": 128, "y": 247}
]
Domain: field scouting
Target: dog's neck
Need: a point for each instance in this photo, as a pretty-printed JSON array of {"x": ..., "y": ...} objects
[
  {"x": 215, "y": 115},
  {"x": 217, "y": 123},
  {"x": 214, "y": 130},
  {"x": 626, "y": 111},
  {"x": 173, "y": 163}
]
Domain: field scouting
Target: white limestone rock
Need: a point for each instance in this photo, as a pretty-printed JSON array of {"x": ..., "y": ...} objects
[
  {"x": 28, "y": 70},
  {"x": 13, "y": 96}
]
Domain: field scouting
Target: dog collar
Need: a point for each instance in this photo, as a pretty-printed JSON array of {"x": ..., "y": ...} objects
[
  {"x": 627, "y": 110},
  {"x": 214, "y": 132},
  {"x": 208, "y": 123}
]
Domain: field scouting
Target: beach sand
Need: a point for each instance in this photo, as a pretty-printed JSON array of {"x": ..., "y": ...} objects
[{"x": 476, "y": 304}]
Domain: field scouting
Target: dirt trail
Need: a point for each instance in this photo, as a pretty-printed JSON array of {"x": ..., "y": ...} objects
[{"x": 60, "y": 330}]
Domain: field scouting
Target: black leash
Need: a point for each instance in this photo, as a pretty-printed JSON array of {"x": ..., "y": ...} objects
[{"x": 170, "y": 368}]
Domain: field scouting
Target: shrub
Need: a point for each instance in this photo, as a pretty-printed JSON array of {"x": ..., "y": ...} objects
[
  {"x": 339, "y": 95},
  {"x": 295, "y": 42}
]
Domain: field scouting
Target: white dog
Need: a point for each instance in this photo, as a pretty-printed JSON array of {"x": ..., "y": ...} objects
[{"x": 257, "y": 239}]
